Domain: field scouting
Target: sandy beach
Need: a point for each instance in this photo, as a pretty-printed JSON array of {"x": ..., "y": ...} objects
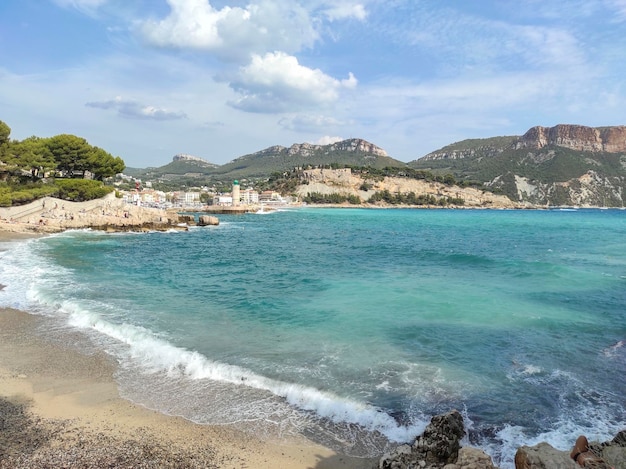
[{"x": 60, "y": 407}]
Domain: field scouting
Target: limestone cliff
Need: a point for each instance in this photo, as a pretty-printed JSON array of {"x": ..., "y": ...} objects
[
  {"x": 549, "y": 166},
  {"x": 309, "y": 149},
  {"x": 576, "y": 137},
  {"x": 186, "y": 157},
  {"x": 344, "y": 182}
]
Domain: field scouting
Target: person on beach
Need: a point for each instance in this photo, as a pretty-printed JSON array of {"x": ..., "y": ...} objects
[{"x": 584, "y": 457}]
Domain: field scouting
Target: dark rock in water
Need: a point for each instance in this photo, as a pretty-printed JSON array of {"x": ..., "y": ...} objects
[
  {"x": 441, "y": 440},
  {"x": 438, "y": 447}
]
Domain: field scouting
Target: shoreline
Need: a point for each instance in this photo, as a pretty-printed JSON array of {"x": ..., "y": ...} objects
[
  {"x": 50, "y": 215},
  {"x": 68, "y": 394}
]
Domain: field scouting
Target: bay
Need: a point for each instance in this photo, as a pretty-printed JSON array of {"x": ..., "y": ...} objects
[{"x": 354, "y": 326}]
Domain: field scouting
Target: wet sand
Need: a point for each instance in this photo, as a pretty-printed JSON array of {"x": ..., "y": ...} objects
[{"x": 59, "y": 407}]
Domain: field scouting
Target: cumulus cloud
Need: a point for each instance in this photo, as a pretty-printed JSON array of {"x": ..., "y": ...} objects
[
  {"x": 340, "y": 12},
  {"x": 133, "y": 109},
  {"x": 233, "y": 33},
  {"x": 276, "y": 82}
]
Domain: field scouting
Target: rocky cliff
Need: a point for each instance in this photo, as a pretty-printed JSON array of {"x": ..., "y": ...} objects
[
  {"x": 575, "y": 137},
  {"x": 353, "y": 145},
  {"x": 344, "y": 182},
  {"x": 186, "y": 157},
  {"x": 550, "y": 166}
]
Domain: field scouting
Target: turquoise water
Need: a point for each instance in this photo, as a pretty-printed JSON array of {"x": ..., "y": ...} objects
[{"x": 355, "y": 326}]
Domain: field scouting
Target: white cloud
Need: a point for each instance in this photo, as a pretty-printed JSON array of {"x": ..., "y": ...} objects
[
  {"x": 233, "y": 33},
  {"x": 83, "y": 5},
  {"x": 80, "y": 3},
  {"x": 312, "y": 123},
  {"x": 328, "y": 140},
  {"x": 619, "y": 6},
  {"x": 340, "y": 12},
  {"x": 134, "y": 109},
  {"x": 276, "y": 82}
]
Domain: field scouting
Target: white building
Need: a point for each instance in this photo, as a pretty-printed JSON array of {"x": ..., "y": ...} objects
[{"x": 249, "y": 197}]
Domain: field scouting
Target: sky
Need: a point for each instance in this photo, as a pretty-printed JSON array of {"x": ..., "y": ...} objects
[{"x": 148, "y": 79}]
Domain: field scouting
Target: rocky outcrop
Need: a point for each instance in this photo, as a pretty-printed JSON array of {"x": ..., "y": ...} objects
[
  {"x": 355, "y": 145},
  {"x": 350, "y": 145},
  {"x": 186, "y": 157},
  {"x": 207, "y": 220},
  {"x": 545, "y": 456},
  {"x": 343, "y": 181},
  {"x": 188, "y": 219},
  {"x": 542, "y": 456},
  {"x": 438, "y": 447},
  {"x": 50, "y": 215},
  {"x": 575, "y": 137}
]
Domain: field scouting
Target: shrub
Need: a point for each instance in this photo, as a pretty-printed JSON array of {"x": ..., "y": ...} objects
[{"x": 80, "y": 190}]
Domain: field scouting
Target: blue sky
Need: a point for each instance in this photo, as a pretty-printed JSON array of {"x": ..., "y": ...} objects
[{"x": 147, "y": 79}]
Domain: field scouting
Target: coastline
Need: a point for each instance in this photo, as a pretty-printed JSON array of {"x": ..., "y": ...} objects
[
  {"x": 70, "y": 400},
  {"x": 51, "y": 215}
]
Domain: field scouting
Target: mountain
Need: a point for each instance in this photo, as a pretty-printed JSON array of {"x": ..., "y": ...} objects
[
  {"x": 356, "y": 152},
  {"x": 262, "y": 164},
  {"x": 560, "y": 165}
]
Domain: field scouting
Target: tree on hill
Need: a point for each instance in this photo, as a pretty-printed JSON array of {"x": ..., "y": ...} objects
[
  {"x": 73, "y": 155},
  {"x": 5, "y": 131},
  {"x": 31, "y": 155},
  {"x": 103, "y": 164},
  {"x": 23, "y": 165}
]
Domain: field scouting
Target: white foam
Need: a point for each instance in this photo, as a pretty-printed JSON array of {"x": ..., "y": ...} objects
[
  {"x": 157, "y": 355},
  {"x": 613, "y": 350}
]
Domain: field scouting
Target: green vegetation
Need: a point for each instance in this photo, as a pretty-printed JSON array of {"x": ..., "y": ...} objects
[
  {"x": 25, "y": 193},
  {"x": 37, "y": 167},
  {"x": 318, "y": 198},
  {"x": 495, "y": 163},
  {"x": 411, "y": 198},
  {"x": 80, "y": 190}
]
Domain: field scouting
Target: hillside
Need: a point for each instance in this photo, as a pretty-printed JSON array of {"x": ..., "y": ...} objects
[
  {"x": 356, "y": 152},
  {"x": 262, "y": 164},
  {"x": 561, "y": 165},
  {"x": 393, "y": 188}
]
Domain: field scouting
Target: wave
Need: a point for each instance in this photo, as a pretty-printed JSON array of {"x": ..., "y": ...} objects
[
  {"x": 43, "y": 295},
  {"x": 158, "y": 355}
]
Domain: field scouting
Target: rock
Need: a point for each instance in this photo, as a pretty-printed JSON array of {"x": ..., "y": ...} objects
[
  {"x": 615, "y": 456},
  {"x": 206, "y": 220},
  {"x": 441, "y": 440},
  {"x": 473, "y": 458},
  {"x": 619, "y": 440},
  {"x": 438, "y": 447},
  {"x": 189, "y": 219},
  {"x": 542, "y": 456},
  {"x": 576, "y": 137}
]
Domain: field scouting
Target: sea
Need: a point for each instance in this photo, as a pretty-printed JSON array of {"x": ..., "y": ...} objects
[{"x": 353, "y": 327}]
